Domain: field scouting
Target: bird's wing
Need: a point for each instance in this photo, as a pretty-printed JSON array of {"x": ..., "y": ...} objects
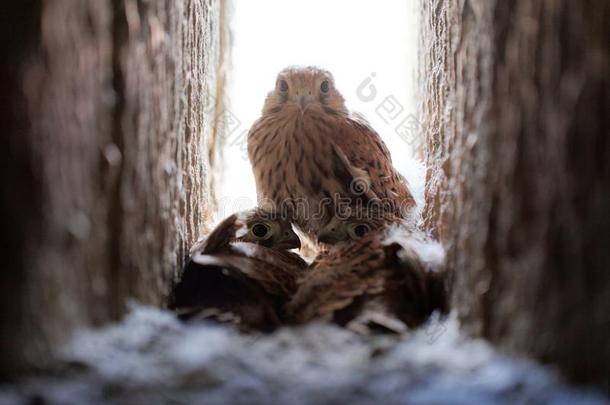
[
  {"x": 256, "y": 135},
  {"x": 355, "y": 178},
  {"x": 275, "y": 257},
  {"x": 203, "y": 270},
  {"x": 322, "y": 292},
  {"x": 219, "y": 238},
  {"x": 343, "y": 281},
  {"x": 364, "y": 152},
  {"x": 276, "y": 280},
  {"x": 213, "y": 286},
  {"x": 336, "y": 279}
]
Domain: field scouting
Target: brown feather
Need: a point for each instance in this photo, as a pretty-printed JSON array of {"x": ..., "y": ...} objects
[
  {"x": 342, "y": 280},
  {"x": 239, "y": 282},
  {"x": 307, "y": 147}
]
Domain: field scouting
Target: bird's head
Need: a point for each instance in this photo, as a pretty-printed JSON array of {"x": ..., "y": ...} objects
[
  {"x": 352, "y": 227},
  {"x": 263, "y": 228},
  {"x": 304, "y": 88}
]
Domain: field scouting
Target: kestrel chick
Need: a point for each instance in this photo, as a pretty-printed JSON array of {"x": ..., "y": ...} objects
[
  {"x": 254, "y": 226},
  {"x": 242, "y": 273},
  {"x": 267, "y": 230},
  {"x": 308, "y": 151},
  {"x": 391, "y": 272},
  {"x": 355, "y": 225}
]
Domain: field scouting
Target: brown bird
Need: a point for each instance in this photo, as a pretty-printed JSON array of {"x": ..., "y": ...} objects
[
  {"x": 241, "y": 273},
  {"x": 255, "y": 226},
  {"x": 355, "y": 224},
  {"x": 311, "y": 155},
  {"x": 387, "y": 279}
]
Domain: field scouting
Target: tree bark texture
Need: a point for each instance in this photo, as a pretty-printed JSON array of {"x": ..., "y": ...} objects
[
  {"x": 108, "y": 112},
  {"x": 515, "y": 114}
]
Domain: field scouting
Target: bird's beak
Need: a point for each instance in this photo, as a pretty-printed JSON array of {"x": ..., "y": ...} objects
[{"x": 304, "y": 98}]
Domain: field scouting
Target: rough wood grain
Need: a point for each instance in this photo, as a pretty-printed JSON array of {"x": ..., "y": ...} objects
[
  {"x": 515, "y": 100},
  {"x": 107, "y": 180}
]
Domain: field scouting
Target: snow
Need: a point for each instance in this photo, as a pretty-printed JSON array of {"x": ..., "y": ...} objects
[{"x": 150, "y": 357}]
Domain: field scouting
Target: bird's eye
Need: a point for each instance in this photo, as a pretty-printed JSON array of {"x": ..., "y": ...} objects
[
  {"x": 283, "y": 86},
  {"x": 260, "y": 230},
  {"x": 359, "y": 230},
  {"x": 324, "y": 86}
]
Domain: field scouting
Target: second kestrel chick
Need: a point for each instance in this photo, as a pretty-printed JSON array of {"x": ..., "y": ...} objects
[
  {"x": 356, "y": 224},
  {"x": 390, "y": 274}
]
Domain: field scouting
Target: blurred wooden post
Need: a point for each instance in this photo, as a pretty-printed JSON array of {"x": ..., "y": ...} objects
[
  {"x": 515, "y": 112},
  {"x": 107, "y": 111}
]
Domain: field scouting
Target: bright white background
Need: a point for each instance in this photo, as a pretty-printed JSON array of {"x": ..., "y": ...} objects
[{"x": 351, "y": 38}]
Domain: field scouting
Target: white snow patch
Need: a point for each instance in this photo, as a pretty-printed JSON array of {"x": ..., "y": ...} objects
[{"x": 150, "y": 357}]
